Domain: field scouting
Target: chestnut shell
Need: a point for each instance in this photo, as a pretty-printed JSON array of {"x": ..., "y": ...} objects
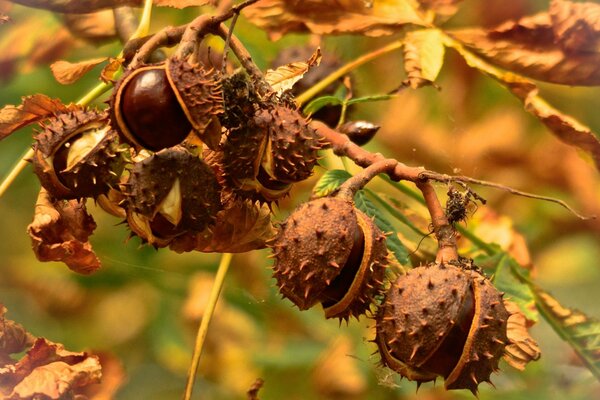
[
  {"x": 442, "y": 320},
  {"x": 328, "y": 252}
]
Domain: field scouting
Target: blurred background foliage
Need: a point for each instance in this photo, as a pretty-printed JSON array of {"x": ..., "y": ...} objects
[{"x": 142, "y": 308}]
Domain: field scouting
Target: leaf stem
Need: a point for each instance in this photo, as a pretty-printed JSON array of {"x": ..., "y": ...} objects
[
  {"x": 337, "y": 74},
  {"x": 15, "y": 171},
  {"x": 203, "y": 329}
]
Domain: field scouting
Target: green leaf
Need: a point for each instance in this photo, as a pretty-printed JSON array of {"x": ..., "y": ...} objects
[
  {"x": 375, "y": 97},
  {"x": 423, "y": 56},
  {"x": 321, "y": 102},
  {"x": 506, "y": 280},
  {"x": 330, "y": 181},
  {"x": 393, "y": 243},
  {"x": 576, "y": 328}
]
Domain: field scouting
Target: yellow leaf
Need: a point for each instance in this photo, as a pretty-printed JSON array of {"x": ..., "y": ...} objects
[
  {"x": 423, "y": 56},
  {"x": 283, "y": 78}
]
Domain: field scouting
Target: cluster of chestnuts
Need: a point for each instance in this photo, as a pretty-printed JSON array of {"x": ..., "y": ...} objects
[
  {"x": 438, "y": 320},
  {"x": 179, "y": 143}
]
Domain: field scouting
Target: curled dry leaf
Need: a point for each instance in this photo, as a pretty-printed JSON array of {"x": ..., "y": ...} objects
[
  {"x": 529, "y": 47},
  {"x": 96, "y": 28},
  {"x": 522, "y": 348},
  {"x": 283, "y": 78},
  {"x": 67, "y": 73},
  {"x": 564, "y": 127},
  {"x": 48, "y": 371},
  {"x": 34, "y": 108},
  {"x": 60, "y": 232},
  {"x": 241, "y": 226},
  {"x": 576, "y": 25},
  {"x": 13, "y": 338},
  {"x": 181, "y": 3},
  {"x": 374, "y": 18},
  {"x": 423, "y": 57},
  {"x": 109, "y": 71}
]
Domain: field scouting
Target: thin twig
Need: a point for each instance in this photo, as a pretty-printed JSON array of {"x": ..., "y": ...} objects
[
  {"x": 15, "y": 171},
  {"x": 203, "y": 329},
  {"x": 345, "y": 69},
  {"x": 465, "y": 179}
]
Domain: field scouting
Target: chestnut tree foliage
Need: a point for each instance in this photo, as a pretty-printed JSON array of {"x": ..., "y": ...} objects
[{"x": 335, "y": 194}]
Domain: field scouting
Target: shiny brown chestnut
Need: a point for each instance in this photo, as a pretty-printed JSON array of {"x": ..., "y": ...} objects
[
  {"x": 158, "y": 106},
  {"x": 147, "y": 111}
]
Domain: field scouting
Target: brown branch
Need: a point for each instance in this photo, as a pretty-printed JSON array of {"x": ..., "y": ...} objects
[
  {"x": 202, "y": 25},
  {"x": 76, "y": 6},
  {"x": 139, "y": 50},
  {"x": 349, "y": 188},
  {"x": 343, "y": 146},
  {"x": 442, "y": 229}
]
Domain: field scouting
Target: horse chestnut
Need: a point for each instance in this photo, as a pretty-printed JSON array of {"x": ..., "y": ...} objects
[
  {"x": 331, "y": 253},
  {"x": 77, "y": 154},
  {"x": 158, "y": 106},
  {"x": 443, "y": 320}
]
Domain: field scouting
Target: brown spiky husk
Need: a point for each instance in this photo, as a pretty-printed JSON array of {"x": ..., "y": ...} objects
[
  {"x": 292, "y": 148},
  {"x": 96, "y": 171},
  {"x": 200, "y": 95},
  {"x": 368, "y": 281},
  {"x": 316, "y": 258},
  {"x": 152, "y": 179},
  {"x": 311, "y": 247},
  {"x": 442, "y": 320}
]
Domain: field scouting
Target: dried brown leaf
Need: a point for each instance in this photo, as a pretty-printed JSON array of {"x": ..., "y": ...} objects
[
  {"x": 564, "y": 127},
  {"x": 47, "y": 51},
  {"x": 77, "y": 6},
  {"x": 60, "y": 232},
  {"x": 242, "y": 226},
  {"x": 67, "y": 73},
  {"x": 96, "y": 28},
  {"x": 13, "y": 338},
  {"x": 423, "y": 56},
  {"x": 181, "y": 3},
  {"x": 376, "y": 18},
  {"x": 34, "y": 108},
  {"x": 22, "y": 39},
  {"x": 109, "y": 71},
  {"x": 48, "y": 371},
  {"x": 113, "y": 377},
  {"x": 576, "y": 25},
  {"x": 529, "y": 47},
  {"x": 522, "y": 348},
  {"x": 283, "y": 78}
]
